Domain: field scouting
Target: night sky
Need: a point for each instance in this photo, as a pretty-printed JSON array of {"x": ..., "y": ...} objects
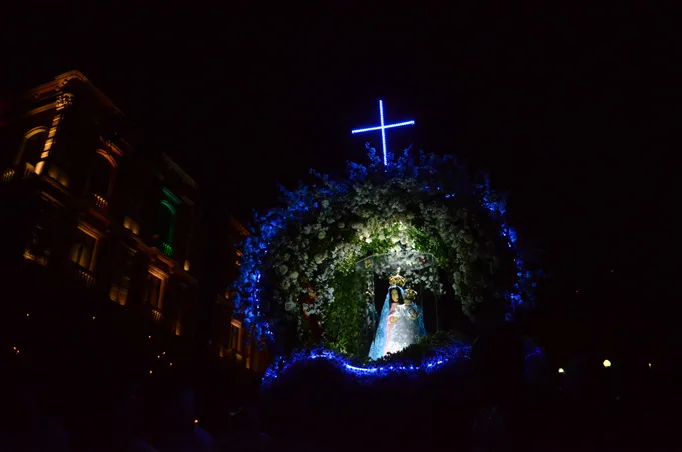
[{"x": 568, "y": 109}]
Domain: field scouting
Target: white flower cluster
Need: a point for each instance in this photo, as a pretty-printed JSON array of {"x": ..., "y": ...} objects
[
  {"x": 310, "y": 256},
  {"x": 326, "y": 230}
]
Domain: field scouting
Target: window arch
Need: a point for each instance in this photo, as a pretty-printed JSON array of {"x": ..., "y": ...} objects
[
  {"x": 32, "y": 146},
  {"x": 102, "y": 174}
]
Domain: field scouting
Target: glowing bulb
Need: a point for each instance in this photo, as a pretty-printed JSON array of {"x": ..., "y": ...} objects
[
  {"x": 649, "y": 365},
  {"x": 28, "y": 315},
  {"x": 163, "y": 353},
  {"x": 149, "y": 337},
  {"x": 158, "y": 356},
  {"x": 171, "y": 364},
  {"x": 196, "y": 421},
  {"x": 607, "y": 363},
  {"x": 561, "y": 370},
  {"x": 93, "y": 317},
  {"x": 150, "y": 372}
]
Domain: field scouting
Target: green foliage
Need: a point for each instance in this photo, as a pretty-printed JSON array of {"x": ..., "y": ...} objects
[
  {"x": 343, "y": 323},
  {"x": 423, "y": 202}
]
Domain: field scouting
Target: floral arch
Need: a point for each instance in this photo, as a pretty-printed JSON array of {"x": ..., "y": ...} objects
[{"x": 300, "y": 255}]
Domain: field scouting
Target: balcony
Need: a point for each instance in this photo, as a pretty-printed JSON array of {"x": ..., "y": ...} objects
[
  {"x": 100, "y": 204},
  {"x": 21, "y": 171},
  {"x": 84, "y": 276},
  {"x": 157, "y": 316},
  {"x": 8, "y": 175}
]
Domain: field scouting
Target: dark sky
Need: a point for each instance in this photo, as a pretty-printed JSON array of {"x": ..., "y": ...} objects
[{"x": 568, "y": 108}]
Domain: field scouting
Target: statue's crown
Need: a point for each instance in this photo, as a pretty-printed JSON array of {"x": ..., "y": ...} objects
[
  {"x": 397, "y": 280},
  {"x": 410, "y": 295}
]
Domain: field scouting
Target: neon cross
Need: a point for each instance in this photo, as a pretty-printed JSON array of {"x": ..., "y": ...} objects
[{"x": 383, "y": 128}]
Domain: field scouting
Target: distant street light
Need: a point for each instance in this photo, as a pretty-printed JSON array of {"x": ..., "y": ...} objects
[{"x": 607, "y": 363}]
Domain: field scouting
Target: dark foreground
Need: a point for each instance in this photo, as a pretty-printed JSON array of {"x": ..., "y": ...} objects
[
  {"x": 318, "y": 407},
  {"x": 80, "y": 383}
]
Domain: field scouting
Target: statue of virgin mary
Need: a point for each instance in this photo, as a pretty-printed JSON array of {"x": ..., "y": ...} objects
[{"x": 401, "y": 323}]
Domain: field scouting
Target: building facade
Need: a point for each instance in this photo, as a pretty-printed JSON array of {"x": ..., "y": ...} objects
[
  {"x": 84, "y": 206},
  {"x": 229, "y": 338},
  {"x": 83, "y": 203}
]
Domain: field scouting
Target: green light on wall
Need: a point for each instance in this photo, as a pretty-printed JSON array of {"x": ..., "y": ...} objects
[
  {"x": 166, "y": 245},
  {"x": 171, "y": 227},
  {"x": 167, "y": 249}
]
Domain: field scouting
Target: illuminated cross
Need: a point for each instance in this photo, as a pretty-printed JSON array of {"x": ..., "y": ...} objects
[{"x": 383, "y": 128}]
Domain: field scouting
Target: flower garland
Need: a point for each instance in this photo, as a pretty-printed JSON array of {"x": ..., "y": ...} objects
[{"x": 298, "y": 253}]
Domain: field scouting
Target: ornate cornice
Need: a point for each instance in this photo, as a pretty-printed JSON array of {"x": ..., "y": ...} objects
[
  {"x": 64, "y": 100},
  {"x": 179, "y": 171},
  {"x": 41, "y": 109},
  {"x": 57, "y": 84}
]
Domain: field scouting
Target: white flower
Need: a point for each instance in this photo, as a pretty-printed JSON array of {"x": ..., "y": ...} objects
[
  {"x": 282, "y": 269},
  {"x": 321, "y": 235},
  {"x": 293, "y": 275},
  {"x": 325, "y": 203},
  {"x": 341, "y": 225}
]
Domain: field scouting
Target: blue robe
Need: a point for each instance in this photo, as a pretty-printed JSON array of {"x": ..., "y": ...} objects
[{"x": 400, "y": 326}]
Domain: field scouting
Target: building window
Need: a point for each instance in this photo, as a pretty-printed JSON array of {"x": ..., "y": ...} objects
[
  {"x": 83, "y": 250},
  {"x": 249, "y": 353},
  {"x": 178, "y": 324},
  {"x": 121, "y": 286},
  {"x": 33, "y": 146},
  {"x": 59, "y": 175},
  {"x": 119, "y": 291},
  {"x": 235, "y": 338},
  {"x": 131, "y": 225},
  {"x": 166, "y": 227},
  {"x": 102, "y": 172},
  {"x": 155, "y": 289}
]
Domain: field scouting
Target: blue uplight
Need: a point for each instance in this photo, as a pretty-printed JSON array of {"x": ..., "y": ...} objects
[{"x": 383, "y": 128}]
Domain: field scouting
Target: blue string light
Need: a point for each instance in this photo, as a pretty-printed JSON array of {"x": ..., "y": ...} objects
[
  {"x": 442, "y": 356},
  {"x": 250, "y": 286}
]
